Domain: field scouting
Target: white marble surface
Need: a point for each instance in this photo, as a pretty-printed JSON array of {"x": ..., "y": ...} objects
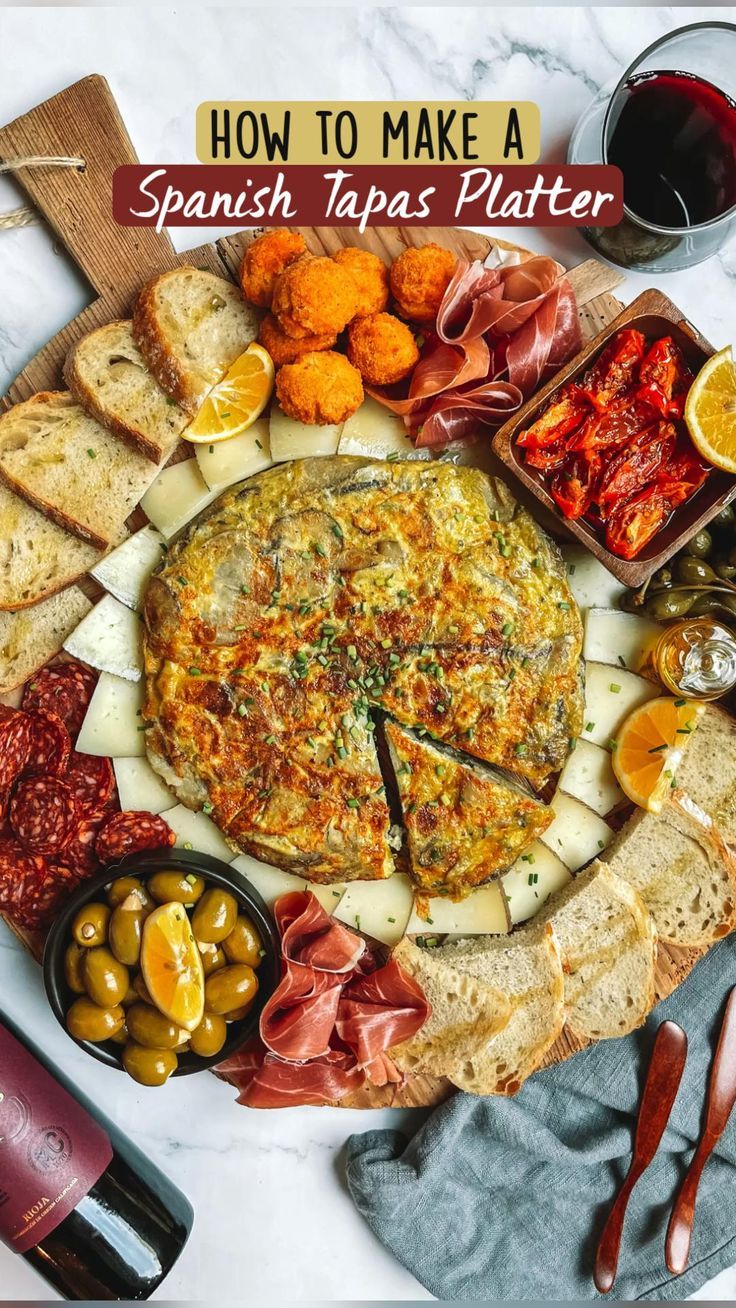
[{"x": 273, "y": 1217}]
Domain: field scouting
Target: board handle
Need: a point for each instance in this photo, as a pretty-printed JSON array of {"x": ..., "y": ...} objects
[{"x": 84, "y": 121}]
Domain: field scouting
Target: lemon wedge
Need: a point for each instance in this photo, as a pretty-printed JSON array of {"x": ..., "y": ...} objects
[
  {"x": 172, "y": 966},
  {"x": 235, "y": 402},
  {"x": 710, "y": 411}
]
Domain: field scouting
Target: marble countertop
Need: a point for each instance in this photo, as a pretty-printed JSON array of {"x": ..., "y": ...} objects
[{"x": 273, "y": 1216}]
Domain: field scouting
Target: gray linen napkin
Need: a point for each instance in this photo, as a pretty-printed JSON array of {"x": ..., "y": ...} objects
[{"x": 505, "y": 1198}]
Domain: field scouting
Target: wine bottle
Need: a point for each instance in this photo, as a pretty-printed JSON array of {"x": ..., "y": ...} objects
[{"x": 77, "y": 1200}]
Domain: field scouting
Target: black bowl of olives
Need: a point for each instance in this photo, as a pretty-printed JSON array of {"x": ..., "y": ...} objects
[{"x": 160, "y": 965}]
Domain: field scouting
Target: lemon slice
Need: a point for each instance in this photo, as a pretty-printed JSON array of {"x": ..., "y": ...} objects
[
  {"x": 236, "y": 401},
  {"x": 172, "y": 966},
  {"x": 710, "y": 411},
  {"x": 649, "y": 749}
]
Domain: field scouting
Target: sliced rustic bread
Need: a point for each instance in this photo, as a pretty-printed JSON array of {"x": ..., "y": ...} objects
[
  {"x": 107, "y": 375},
  {"x": 30, "y": 638},
  {"x": 707, "y": 773},
  {"x": 62, "y": 461},
  {"x": 190, "y": 325},
  {"x": 37, "y": 557},
  {"x": 465, "y": 1014},
  {"x": 527, "y": 967},
  {"x": 608, "y": 944}
]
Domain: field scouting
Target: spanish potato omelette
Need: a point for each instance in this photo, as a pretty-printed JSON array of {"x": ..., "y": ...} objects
[{"x": 321, "y": 591}]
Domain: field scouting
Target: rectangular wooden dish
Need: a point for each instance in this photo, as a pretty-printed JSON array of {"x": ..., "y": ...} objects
[{"x": 655, "y": 315}]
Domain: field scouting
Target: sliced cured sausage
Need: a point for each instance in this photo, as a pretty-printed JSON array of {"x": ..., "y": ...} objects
[
  {"x": 91, "y": 780},
  {"x": 14, "y": 749},
  {"x": 50, "y": 745},
  {"x": 64, "y": 689},
  {"x": 20, "y": 875},
  {"x": 43, "y": 814},
  {"x": 130, "y": 833}
]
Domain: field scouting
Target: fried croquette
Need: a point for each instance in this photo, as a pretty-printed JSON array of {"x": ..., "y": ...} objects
[
  {"x": 265, "y": 259},
  {"x": 286, "y": 349},
  {"x": 419, "y": 279},
  {"x": 370, "y": 275},
  {"x": 314, "y": 297},
  {"x": 321, "y": 387},
  {"x": 382, "y": 348}
]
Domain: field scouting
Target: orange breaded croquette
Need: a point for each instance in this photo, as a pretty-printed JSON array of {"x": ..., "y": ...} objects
[
  {"x": 382, "y": 348},
  {"x": 314, "y": 297},
  {"x": 419, "y": 279},
  {"x": 370, "y": 275},
  {"x": 286, "y": 349},
  {"x": 265, "y": 260},
  {"x": 320, "y": 388}
]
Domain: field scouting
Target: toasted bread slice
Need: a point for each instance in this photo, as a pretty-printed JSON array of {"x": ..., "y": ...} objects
[
  {"x": 465, "y": 1015},
  {"x": 190, "y": 325},
  {"x": 707, "y": 773},
  {"x": 107, "y": 375},
  {"x": 37, "y": 557},
  {"x": 527, "y": 967},
  {"x": 30, "y": 638},
  {"x": 608, "y": 944},
  {"x": 72, "y": 469}
]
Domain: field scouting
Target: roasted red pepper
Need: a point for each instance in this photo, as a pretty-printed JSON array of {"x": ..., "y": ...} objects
[
  {"x": 664, "y": 379},
  {"x": 574, "y": 487},
  {"x": 633, "y": 524},
  {"x": 681, "y": 476},
  {"x": 606, "y": 431},
  {"x": 557, "y": 421},
  {"x": 615, "y": 369},
  {"x": 635, "y": 465}
]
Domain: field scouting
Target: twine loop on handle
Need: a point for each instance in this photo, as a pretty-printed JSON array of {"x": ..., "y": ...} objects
[{"x": 26, "y": 216}]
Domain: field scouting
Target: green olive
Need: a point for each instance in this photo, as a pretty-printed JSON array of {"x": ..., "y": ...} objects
[
  {"x": 670, "y": 604},
  {"x": 150, "y": 1028},
  {"x": 208, "y": 1038},
  {"x": 73, "y": 959},
  {"x": 131, "y": 996},
  {"x": 232, "y": 987},
  {"x": 237, "y": 1014},
  {"x": 175, "y": 887},
  {"x": 149, "y": 1066},
  {"x": 89, "y": 927},
  {"x": 724, "y": 517},
  {"x": 124, "y": 886},
  {"x": 141, "y": 990},
  {"x": 85, "y": 1020},
  {"x": 700, "y": 545},
  {"x": 693, "y": 571},
  {"x": 728, "y": 602},
  {"x": 215, "y": 915},
  {"x": 243, "y": 945},
  {"x": 662, "y": 578},
  {"x": 106, "y": 980},
  {"x": 120, "y": 1037},
  {"x": 726, "y": 571},
  {"x": 213, "y": 958},
  {"x": 125, "y": 932},
  {"x": 705, "y": 606}
]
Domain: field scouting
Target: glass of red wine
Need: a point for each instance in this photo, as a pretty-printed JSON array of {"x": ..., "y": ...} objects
[{"x": 669, "y": 124}]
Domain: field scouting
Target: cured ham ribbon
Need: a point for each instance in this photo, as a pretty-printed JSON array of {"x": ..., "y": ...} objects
[{"x": 334, "y": 1014}]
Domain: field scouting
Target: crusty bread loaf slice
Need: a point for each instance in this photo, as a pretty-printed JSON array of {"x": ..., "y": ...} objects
[
  {"x": 107, "y": 375},
  {"x": 62, "y": 461},
  {"x": 190, "y": 325},
  {"x": 608, "y": 944},
  {"x": 37, "y": 557},
  {"x": 707, "y": 773},
  {"x": 466, "y": 1014},
  {"x": 527, "y": 967},
  {"x": 30, "y": 638}
]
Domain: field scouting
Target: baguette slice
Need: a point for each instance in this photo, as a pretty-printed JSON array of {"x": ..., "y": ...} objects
[
  {"x": 37, "y": 557},
  {"x": 608, "y": 943},
  {"x": 63, "y": 462},
  {"x": 707, "y": 773},
  {"x": 527, "y": 967},
  {"x": 465, "y": 1015},
  {"x": 30, "y": 638},
  {"x": 107, "y": 375},
  {"x": 190, "y": 325}
]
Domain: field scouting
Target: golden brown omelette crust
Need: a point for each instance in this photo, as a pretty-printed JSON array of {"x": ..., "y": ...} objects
[{"x": 318, "y": 591}]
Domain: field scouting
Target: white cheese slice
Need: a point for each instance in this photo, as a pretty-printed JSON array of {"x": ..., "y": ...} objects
[
  {"x": 483, "y": 913},
  {"x": 140, "y": 788},
  {"x": 621, "y": 639},
  {"x": 374, "y": 432},
  {"x": 577, "y": 834},
  {"x": 329, "y": 896},
  {"x": 296, "y": 440},
  {"x": 588, "y": 776},
  {"x": 113, "y": 723},
  {"x": 225, "y": 462},
  {"x": 379, "y": 908},
  {"x": 197, "y": 831},
  {"x": 270, "y": 882},
  {"x": 533, "y": 878},
  {"x": 109, "y": 638},
  {"x": 176, "y": 496},
  {"x": 610, "y": 695},
  {"x": 124, "y": 572},
  {"x": 591, "y": 584}
]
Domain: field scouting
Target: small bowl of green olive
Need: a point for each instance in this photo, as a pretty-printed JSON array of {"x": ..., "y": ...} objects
[{"x": 161, "y": 964}]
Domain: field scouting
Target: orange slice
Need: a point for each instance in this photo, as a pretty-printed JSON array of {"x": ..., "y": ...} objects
[
  {"x": 710, "y": 411},
  {"x": 172, "y": 966},
  {"x": 650, "y": 746},
  {"x": 235, "y": 403}
]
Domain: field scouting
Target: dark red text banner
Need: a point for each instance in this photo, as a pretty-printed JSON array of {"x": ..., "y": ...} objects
[{"x": 196, "y": 195}]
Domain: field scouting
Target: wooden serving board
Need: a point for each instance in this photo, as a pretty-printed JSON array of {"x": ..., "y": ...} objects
[{"x": 84, "y": 121}]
